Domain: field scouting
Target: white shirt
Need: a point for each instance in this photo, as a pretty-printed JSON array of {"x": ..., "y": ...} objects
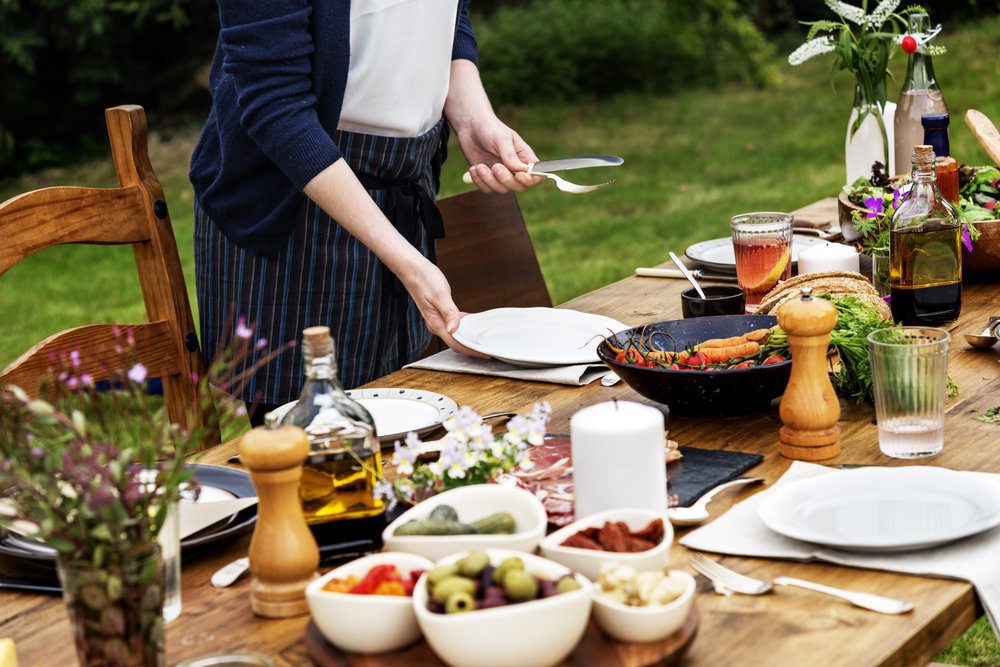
[{"x": 400, "y": 65}]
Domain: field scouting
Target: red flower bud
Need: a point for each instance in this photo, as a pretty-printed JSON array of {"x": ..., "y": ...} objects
[{"x": 909, "y": 44}]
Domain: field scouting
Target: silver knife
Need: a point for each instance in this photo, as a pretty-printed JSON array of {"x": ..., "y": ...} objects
[
  {"x": 674, "y": 273},
  {"x": 566, "y": 163},
  {"x": 29, "y": 584}
]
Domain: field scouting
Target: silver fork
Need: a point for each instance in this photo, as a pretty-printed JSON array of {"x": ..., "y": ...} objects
[
  {"x": 719, "y": 574},
  {"x": 561, "y": 183}
]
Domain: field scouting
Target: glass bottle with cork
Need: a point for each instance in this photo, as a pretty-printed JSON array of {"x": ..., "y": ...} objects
[
  {"x": 925, "y": 257},
  {"x": 946, "y": 167},
  {"x": 338, "y": 477},
  {"x": 920, "y": 94}
]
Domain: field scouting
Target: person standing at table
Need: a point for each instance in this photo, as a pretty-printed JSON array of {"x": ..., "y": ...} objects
[{"x": 316, "y": 173}]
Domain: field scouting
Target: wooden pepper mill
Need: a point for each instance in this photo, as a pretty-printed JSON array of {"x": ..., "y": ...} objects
[
  {"x": 809, "y": 407},
  {"x": 283, "y": 552}
]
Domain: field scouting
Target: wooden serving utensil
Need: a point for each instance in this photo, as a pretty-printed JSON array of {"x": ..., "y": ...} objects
[
  {"x": 283, "y": 552},
  {"x": 809, "y": 406},
  {"x": 986, "y": 132}
]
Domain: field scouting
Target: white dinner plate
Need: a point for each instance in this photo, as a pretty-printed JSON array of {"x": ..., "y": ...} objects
[
  {"x": 398, "y": 411},
  {"x": 537, "y": 337},
  {"x": 718, "y": 254},
  {"x": 884, "y": 509}
]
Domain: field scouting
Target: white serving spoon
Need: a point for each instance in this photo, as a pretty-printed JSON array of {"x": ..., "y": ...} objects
[{"x": 698, "y": 513}]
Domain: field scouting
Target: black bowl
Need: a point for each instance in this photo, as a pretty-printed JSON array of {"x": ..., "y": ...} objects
[
  {"x": 703, "y": 394},
  {"x": 720, "y": 300}
]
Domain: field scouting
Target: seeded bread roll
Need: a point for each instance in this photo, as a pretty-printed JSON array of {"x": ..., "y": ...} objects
[{"x": 837, "y": 283}]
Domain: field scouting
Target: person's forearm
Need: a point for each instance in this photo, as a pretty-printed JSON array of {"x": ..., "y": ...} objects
[
  {"x": 339, "y": 192},
  {"x": 467, "y": 98}
]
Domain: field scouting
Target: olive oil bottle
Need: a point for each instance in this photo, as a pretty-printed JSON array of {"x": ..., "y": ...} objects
[
  {"x": 925, "y": 253},
  {"x": 338, "y": 477}
]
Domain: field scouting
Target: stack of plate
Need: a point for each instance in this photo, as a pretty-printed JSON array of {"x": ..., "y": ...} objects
[{"x": 718, "y": 254}]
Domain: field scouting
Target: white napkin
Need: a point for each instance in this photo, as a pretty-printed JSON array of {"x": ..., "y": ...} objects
[
  {"x": 740, "y": 532},
  {"x": 198, "y": 515},
  {"x": 453, "y": 362}
]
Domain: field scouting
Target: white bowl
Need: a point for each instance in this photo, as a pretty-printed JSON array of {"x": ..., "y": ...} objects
[
  {"x": 366, "y": 623},
  {"x": 527, "y": 634},
  {"x": 473, "y": 503},
  {"x": 588, "y": 561},
  {"x": 644, "y": 624}
]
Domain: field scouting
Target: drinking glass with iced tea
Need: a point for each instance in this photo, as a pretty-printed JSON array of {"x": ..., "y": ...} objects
[{"x": 763, "y": 246}]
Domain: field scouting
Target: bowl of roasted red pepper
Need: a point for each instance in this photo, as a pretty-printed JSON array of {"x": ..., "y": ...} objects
[
  {"x": 704, "y": 367},
  {"x": 366, "y": 606}
]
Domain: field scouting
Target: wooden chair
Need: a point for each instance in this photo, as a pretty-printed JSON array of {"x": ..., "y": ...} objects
[
  {"x": 134, "y": 213},
  {"x": 487, "y": 255}
]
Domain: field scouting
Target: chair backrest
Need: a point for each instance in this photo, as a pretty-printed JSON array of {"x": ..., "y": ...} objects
[
  {"x": 134, "y": 213},
  {"x": 487, "y": 255}
]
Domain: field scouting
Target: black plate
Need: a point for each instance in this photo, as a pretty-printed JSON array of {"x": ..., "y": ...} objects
[
  {"x": 705, "y": 394},
  {"x": 234, "y": 481}
]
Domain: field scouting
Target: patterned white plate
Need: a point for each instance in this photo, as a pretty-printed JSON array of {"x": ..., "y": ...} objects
[{"x": 397, "y": 411}]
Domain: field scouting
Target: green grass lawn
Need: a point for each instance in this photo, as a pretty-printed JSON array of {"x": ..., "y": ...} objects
[{"x": 691, "y": 161}]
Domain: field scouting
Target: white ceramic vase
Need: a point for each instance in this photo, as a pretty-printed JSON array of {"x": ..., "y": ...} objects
[{"x": 866, "y": 146}]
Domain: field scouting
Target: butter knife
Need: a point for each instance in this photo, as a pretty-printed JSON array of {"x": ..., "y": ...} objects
[{"x": 674, "y": 273}]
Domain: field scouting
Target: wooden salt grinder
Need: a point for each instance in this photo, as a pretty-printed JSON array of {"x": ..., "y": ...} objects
[
  {"x": 809, "y": 407},
  {"x": 283, "y": 552}
]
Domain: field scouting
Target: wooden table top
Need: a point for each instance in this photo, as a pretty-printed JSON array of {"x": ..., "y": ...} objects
[{"x": 791, "y": 627}]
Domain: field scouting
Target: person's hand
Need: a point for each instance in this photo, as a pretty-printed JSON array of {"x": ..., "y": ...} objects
[
  {"x": 432, "y": 294},
  {"x": 497, "y": 155}
]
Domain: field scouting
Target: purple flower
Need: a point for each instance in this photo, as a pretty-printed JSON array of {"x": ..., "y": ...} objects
[
  {"x": 137, "y": 373},
  {"x": 37, "y": 452},
  {"x": 966, "y": 238},
  {"x": 874, "y": 205},
  {"x": 895, "y": 198},
  {"x": 100, "y": 497},
  {"x": 240, "y": 410},
  {"x": 242, "y": 330},
  {"x": 261, "y": 344},
  {"x": 74, "y": 358}
]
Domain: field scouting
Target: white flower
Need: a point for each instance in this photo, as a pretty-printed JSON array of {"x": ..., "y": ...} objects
[
  {"x": 882, "y": 12},
  {"x": 847, "y": 12},
  {"x": 811, "y": 49},
  {"x": 137, "y": 373},
  {"x": 242, "y": 330}
]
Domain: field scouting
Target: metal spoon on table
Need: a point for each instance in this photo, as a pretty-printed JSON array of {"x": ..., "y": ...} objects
[
  {"x": 698, "y": 512},
  {"x": 987, "y": 339},
  {"x": 687, "y": 274}
]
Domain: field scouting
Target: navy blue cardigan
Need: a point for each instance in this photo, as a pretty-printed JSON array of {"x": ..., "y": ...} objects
[{"x": 277, "y": 83}]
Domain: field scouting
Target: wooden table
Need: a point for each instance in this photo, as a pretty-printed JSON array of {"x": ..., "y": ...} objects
[{"x": 791, "y": 627}]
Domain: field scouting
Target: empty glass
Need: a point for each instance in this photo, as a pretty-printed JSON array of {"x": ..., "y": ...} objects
[{"x": 910, "y": 374}]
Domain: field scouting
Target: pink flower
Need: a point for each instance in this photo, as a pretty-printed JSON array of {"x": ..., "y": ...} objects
[
  {"x": 242, "y": 330},
  {"x": 137, "y": 373}
]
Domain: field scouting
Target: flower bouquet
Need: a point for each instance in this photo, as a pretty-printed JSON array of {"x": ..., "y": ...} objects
[
  {"x": 470, "y": 454},
  {"x": 93, "y": 472}
]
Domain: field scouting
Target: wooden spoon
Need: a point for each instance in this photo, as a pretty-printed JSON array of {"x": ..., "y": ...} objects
[{"x": 986, "y": 132}]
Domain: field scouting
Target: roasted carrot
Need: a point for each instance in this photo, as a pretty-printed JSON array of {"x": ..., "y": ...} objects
[
  {"x": 755, "y": 336},
  {"x": 718, "y": 355}
]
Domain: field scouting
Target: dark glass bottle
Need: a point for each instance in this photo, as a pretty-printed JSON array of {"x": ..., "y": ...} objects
[
  {"x": 936, "y": 136},
  {"x": 338, "y": 478},
  {"x": 925, "y": 255}
]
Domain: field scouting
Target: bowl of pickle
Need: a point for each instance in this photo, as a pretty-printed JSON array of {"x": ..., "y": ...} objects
[
  {"x": 478, "y": 516},
  {"x": 497, "y": 607}
]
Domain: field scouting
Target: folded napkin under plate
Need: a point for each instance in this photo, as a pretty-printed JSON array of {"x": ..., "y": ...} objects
[
  {"x": 741, "y": 532},
  {"x": 453, "y": 362}
]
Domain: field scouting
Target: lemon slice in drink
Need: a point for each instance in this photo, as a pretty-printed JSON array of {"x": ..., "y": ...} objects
[{"x": 775, "y": 274}]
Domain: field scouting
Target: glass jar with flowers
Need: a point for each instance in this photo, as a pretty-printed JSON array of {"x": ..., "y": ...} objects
[
  {"x": 93, "y": 471},
  {"x": 863, "y": 43}
]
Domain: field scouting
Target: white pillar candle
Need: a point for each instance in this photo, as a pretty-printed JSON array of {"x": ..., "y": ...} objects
[
  {"x": 618, "y": 458},
  {"x": 828, "y": 257}
]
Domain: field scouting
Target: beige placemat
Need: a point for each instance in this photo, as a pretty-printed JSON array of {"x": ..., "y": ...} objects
[{"x": 740, "y": 532}]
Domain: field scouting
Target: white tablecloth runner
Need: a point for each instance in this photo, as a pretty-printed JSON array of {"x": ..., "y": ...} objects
[{"x": 453, "y": 362}]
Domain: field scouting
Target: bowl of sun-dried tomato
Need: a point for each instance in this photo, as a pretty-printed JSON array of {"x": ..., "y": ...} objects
[{"x": 635, "y": 537}]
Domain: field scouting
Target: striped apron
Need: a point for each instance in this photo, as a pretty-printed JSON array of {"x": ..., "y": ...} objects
[{"x": 324, "y": 276}]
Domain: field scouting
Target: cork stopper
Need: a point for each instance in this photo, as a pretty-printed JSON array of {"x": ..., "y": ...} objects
[
  {"x": 923, "y": 157},
  {"x": 317, "y": 342}
]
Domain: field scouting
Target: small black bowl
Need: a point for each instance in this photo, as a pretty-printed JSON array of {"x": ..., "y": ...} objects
[
  {"x": 703, "y": 394},
  {"x": 721, "y": 300}
]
